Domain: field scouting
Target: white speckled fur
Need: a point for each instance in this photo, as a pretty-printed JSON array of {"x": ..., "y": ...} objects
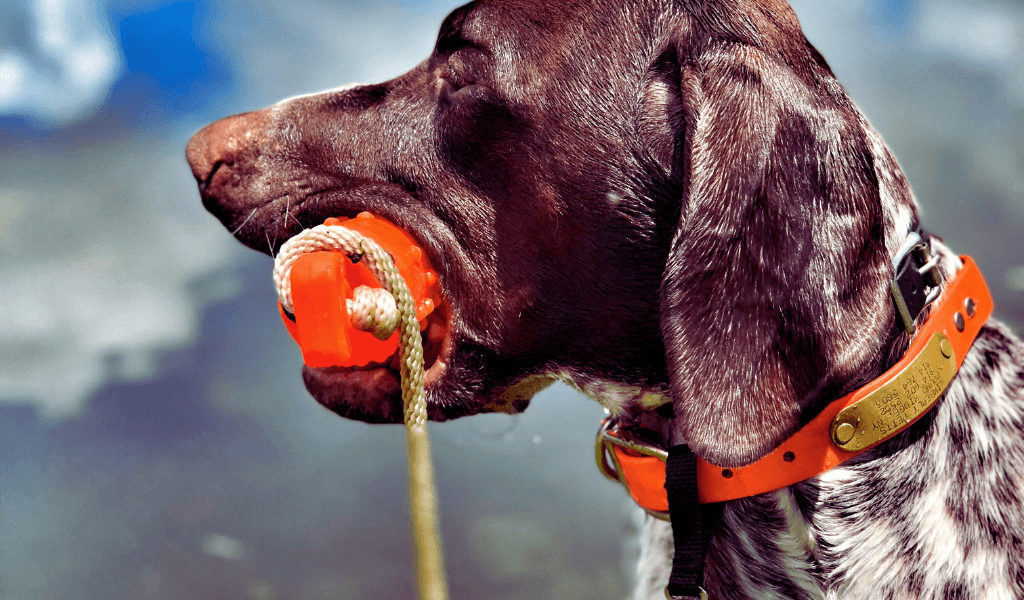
[{"x": 926, "y": 515}]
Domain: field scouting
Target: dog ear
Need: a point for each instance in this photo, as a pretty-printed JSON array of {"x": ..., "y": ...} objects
[{"x": 774, "y": 293}]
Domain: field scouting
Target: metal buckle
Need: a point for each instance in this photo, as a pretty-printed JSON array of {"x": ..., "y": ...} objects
[
  {"x": 630, "y": 438},
  {"x": 916, "y": 279}
]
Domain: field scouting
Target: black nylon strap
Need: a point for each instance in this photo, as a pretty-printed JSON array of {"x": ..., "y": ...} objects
[
  {"x": 692, "y": 523},
  {"x": 914, "y": 286}
]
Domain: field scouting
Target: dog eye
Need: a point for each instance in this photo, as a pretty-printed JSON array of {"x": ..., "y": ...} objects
[
  {"x": 454, "y": 78},
  {"x": 461, "y": 87}
]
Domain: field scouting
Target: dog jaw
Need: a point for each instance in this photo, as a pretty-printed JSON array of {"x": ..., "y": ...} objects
[{"x": 617, "y": 398}]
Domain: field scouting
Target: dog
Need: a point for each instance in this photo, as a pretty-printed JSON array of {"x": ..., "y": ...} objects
[{"x": 660, "y": 201}]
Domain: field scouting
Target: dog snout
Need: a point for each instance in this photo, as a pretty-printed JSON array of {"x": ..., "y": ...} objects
[
  {"x": 224, "y": 157},
  {"x": 225, "y": 145}
]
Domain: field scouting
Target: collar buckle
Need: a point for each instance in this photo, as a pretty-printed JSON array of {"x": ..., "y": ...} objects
[
  {"x": 915, "y": 281},
  {"x": 629, "y": 456}
]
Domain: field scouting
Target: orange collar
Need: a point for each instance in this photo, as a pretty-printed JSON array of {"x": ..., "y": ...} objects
[{"x": 845, "y": 428}]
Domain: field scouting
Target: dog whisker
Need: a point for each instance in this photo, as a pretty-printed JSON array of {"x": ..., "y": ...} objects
[
  {"x": 288, "y": 215},
  {"x": 239, "y": 228}
]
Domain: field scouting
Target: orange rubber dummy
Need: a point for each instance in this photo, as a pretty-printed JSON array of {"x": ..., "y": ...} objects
[{"x": 322, "y": 282}]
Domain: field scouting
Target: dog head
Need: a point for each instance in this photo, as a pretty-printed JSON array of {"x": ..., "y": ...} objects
[{"x": 673, "y": 196}]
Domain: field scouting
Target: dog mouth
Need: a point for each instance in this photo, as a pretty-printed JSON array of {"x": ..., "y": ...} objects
[
  {"x": 370, "y": 392},
  {"x": 373, "y": 392}
]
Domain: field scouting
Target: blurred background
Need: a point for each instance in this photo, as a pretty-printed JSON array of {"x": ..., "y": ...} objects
[{"x": 155, "y": 438}]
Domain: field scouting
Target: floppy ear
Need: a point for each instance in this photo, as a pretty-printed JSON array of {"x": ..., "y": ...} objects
[{"x": 774, "y": 293}]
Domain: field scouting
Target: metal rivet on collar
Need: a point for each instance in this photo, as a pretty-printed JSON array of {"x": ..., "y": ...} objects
[
  {"x": 969, "y": 307},
  {"x": 844, "y": 433},
  {"x": 958, "y": 320},
  {"x": 946, "y": 348}
]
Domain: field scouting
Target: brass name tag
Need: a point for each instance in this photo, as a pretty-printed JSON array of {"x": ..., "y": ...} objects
[{"x": 906, "y": 397}]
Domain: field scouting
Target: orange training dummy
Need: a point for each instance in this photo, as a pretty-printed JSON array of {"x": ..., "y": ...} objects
[{"x": 322, "y": 285}]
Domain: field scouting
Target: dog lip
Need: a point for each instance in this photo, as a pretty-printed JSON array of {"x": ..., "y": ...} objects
[
  {"x": 265, "y": 224},
  {"x": 370, "y": 395}
]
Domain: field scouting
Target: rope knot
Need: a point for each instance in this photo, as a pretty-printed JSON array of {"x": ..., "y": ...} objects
[{"x": 373, "y": 310}]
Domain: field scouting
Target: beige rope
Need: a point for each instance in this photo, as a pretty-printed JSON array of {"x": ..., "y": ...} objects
[
  {"x": 373, "y": 310},
  {"x": 369, "y": 310}
]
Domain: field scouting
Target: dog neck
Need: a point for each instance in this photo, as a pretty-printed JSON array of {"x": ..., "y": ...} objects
[{"x": 849, "y": 425}]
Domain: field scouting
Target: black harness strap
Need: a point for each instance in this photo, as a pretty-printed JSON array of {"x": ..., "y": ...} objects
[{"x": 692, "y": 524}]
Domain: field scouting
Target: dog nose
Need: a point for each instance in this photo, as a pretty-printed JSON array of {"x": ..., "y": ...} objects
[{"x": 224, "y": 143}]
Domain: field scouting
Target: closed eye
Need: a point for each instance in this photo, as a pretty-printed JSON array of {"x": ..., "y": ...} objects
[
  {"x": 456, "y": 79},
  {"x": 461, "y": 77}
]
